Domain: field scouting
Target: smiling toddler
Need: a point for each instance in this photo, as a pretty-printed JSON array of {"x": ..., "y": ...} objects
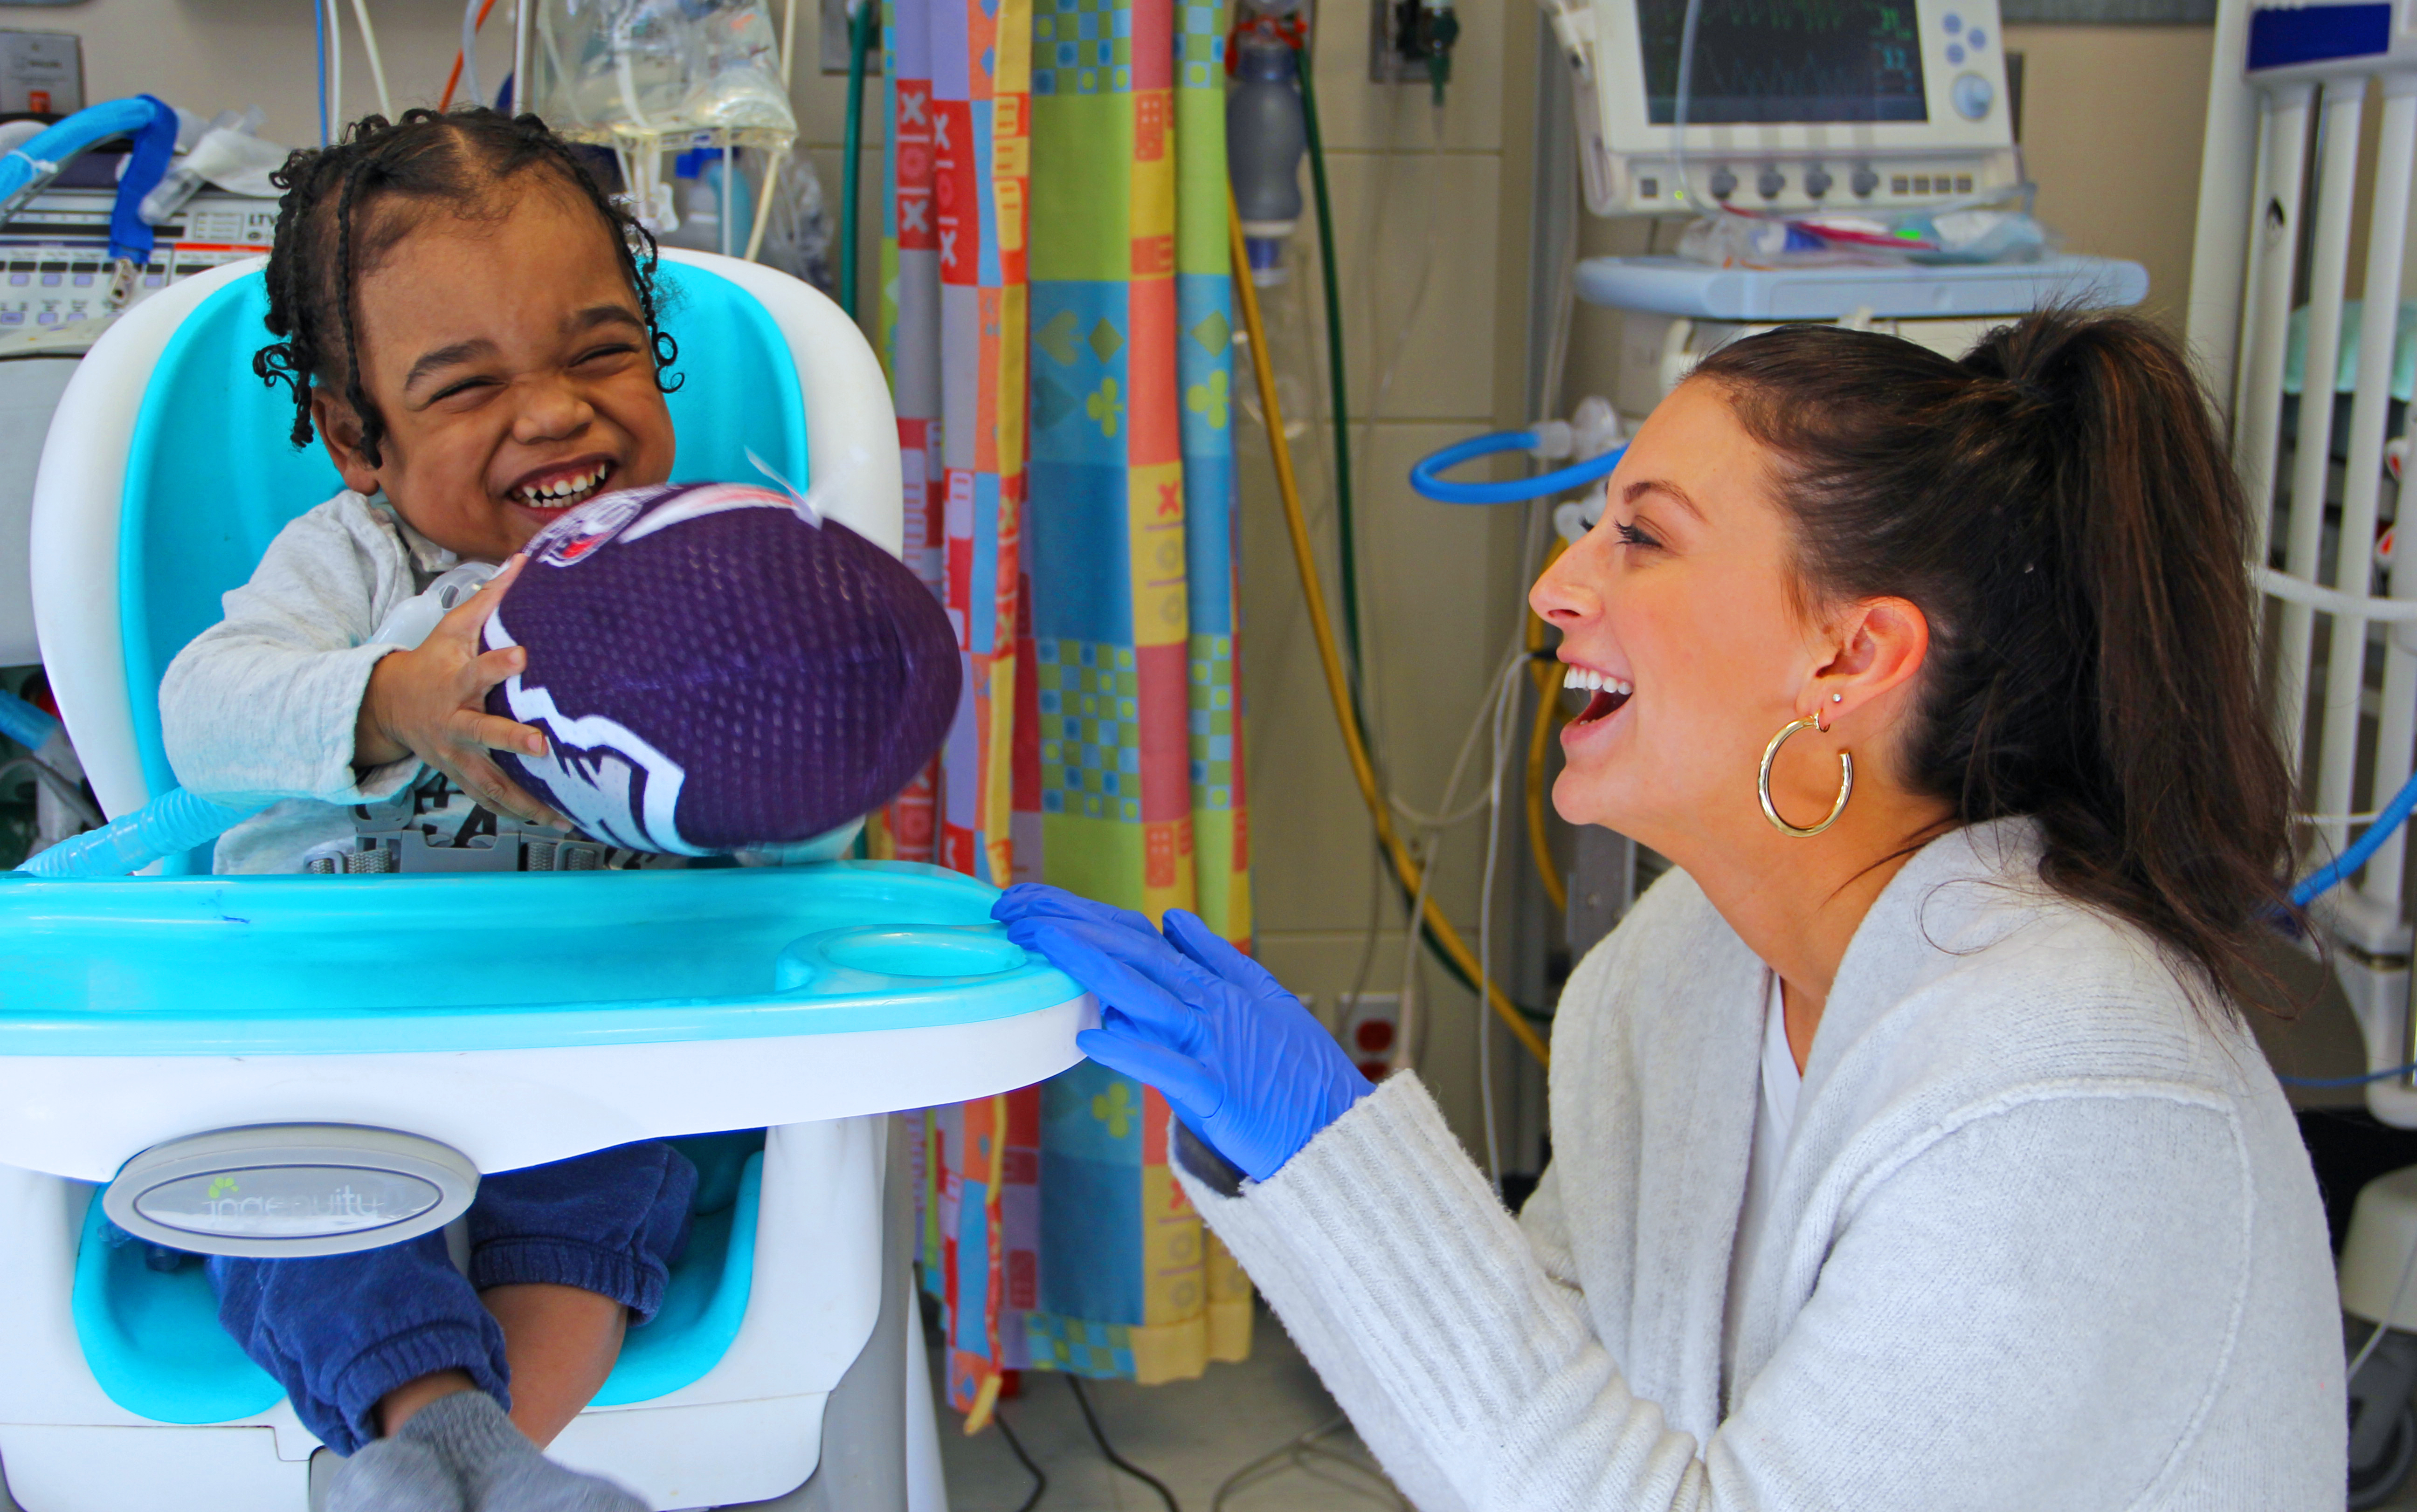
[{"x": 468, "y": 326}]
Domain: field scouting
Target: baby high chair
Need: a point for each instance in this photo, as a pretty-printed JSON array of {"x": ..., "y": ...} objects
[{"x": 309, "y": 1064}]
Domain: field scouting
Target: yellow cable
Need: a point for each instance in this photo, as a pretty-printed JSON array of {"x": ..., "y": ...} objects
[
  {"x": 986, "y": 1395},
  {"x": 1548, "y": 700},
  {"x": 1403, "y": 865}
]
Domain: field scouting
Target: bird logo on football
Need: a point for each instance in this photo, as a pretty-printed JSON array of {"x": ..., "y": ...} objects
[{"x": 570, "y": 539}]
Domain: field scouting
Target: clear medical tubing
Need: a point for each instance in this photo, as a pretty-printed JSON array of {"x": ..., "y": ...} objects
[
  {"x": 173, "y": 822},
  {"x": 1425, "y": 474},
  {"x": 25, "y": 724}
]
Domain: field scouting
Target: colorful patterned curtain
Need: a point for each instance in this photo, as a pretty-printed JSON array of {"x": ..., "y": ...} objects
[{"x": 1054, "y": 1231}]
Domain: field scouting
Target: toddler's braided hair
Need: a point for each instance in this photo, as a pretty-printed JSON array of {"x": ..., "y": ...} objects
[{"x": 458, "y": 159}]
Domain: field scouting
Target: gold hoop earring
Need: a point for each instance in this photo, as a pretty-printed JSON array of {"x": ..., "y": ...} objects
[{"x": 1846, "y": 780}]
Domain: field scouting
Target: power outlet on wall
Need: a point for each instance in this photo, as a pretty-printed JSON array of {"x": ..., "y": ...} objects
[{"x": 1372, "y": 1024}]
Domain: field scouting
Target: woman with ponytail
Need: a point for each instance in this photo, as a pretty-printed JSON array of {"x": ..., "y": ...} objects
[{"x": 1910, "y": 1150}]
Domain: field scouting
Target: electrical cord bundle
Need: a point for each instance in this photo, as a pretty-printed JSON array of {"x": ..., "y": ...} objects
[
  {"x": 1408, "y": 874},
  {"x": 1015, "y": 1445},
  {"x": 1090, "y": 1419},
  {"x": 1345, "y": 669},
  {"x": 1308, "y": 1454}
]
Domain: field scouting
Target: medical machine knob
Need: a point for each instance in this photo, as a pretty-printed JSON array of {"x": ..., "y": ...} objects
[
  {"x": 1769, "y": 182},
  {"x": 1723, "y": 183},
  {"x": 1816, "y": 183},
  {"x": 1973, "y": 96},
  {"x": 276, "y": 1190},
  {"x": 1864, "y": 182},
  {"x": 1595, "y": 427}
]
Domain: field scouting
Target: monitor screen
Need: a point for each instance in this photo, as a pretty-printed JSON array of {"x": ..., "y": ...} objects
[{"x": 1780, "y": 61}]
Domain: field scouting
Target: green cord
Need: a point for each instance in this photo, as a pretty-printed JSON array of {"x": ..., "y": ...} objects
[
  {"x": 1346, "y": 542},
  {"x": 859, "y": 42},
  {"x": 1349, "y": 574}
]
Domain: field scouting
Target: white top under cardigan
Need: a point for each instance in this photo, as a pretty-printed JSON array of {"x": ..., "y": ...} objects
[
  {"x": 2044, "y": 1237},
  {"x": 1774, "y": 1122},
  {"x": 263, "y": 704}
]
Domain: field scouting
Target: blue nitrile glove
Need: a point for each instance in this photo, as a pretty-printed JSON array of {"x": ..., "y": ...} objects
[
  {"x": 1034, "y": 899},
  {"x": 1243, "y": 1062}
]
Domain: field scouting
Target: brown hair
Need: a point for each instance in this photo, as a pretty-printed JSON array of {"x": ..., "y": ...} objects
[
  {"x": 326, "y": 239},
  {"x": 2060, "y": 507}
]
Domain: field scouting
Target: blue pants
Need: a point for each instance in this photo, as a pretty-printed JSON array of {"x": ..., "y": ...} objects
[{"x": 340, "y": 1331}]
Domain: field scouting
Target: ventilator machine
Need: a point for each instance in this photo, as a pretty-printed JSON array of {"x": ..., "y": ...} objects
[{"x": 1855, "y": 164}]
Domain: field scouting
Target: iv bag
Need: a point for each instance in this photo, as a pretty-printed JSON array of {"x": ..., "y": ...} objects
[{"x": 636, "y": 71}]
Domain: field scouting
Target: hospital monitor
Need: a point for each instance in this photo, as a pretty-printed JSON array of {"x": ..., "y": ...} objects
[{"x": 1791, "y": 104}]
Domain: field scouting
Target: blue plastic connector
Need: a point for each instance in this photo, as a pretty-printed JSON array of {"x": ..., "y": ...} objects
[{"x": 25, "y": 724}]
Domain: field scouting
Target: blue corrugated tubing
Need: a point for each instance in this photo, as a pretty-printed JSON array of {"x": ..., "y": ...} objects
[
  {"x": 25, "y": 724},
  {"x": 175, "y": 820},
  {"x": 1425, "y": 474},
  {"x": 43, "y": 153}
]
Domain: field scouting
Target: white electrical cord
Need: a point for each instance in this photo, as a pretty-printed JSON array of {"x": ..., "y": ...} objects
[
  {"x": 1405, "y": 1046},
  {"x": 1418, "y": 292},
  {"x": 470, "y": 53},
  {"x": 1362, "y": 430},
  {"x": 377, "y": 64},
  {"x": 776, "y": 162},
  {"x": 729, "y": 191},
  {"x": 1478, "y": 722},
  {"x": 1679, "y": 106},
  {"x": 1505, "y": 699},
  {"x": 521, "y": 91},
  {"x": 1404, "y": 1053},
  {"x": 569, "y": 99},
  {"x": 1296, "y": 1454},
  {"x": 335, "y": 70}
]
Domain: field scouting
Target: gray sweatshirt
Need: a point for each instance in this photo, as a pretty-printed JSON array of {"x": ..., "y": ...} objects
[
  {"x": 2044, "y": 1237},
  {"x": 265, "y": 702}
]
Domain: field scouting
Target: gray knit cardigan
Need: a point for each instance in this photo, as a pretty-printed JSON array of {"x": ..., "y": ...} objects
[{"x": 2045, "y": 1237}]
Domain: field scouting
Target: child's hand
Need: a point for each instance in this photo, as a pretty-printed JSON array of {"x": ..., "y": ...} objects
[{"x": 431, "y": 704}]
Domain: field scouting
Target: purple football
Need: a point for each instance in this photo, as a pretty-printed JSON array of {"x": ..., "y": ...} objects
[{"x": 719, "y": 669}]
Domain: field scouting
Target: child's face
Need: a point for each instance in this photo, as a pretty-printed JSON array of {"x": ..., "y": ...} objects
[{"x": 510, "y": 360}]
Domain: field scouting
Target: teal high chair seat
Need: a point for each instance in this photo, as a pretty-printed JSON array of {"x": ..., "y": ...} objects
[{"x": 479, "y": 1021}]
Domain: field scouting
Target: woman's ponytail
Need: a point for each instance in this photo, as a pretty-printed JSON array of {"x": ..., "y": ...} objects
[{"x": 2060, "y": 507}]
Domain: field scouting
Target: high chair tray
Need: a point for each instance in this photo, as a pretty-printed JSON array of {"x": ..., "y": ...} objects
[{"x": 519, "y": 1018}]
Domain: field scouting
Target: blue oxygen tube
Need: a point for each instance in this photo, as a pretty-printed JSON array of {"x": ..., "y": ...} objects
[{"x": 175, "y": 820}]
